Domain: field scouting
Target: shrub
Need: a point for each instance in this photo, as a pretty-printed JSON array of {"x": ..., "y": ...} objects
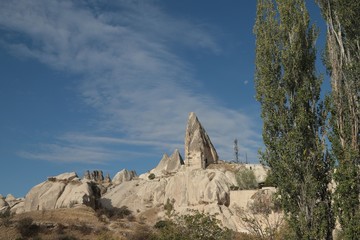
[
  {"x": 270, "y": 180},
  {"x": 192, "y": 226},
  {"x": 72, "y": 203},
  {"x": 151, "y": 176},
  {"x": 66, "y": 237},
  {"x": 141, "y": 233},
  {"x": 5, "y": 219},
  {"x": 114, "y": 213},
  {"x": 27, "y": 228},
  {"x": 169, "y": 207},
  {"x": 163, "y": 224},
  {"x": 246, "y": 179}
]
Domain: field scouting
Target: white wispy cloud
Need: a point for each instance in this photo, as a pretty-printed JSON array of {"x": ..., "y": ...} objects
[{"x": 132, "y": 75}]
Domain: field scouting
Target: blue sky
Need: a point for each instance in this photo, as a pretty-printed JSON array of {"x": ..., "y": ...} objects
[{"x": 109, "y": 84}]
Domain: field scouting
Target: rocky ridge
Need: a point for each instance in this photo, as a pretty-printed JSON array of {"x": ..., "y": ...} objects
[{"x": 198, "y": 183}]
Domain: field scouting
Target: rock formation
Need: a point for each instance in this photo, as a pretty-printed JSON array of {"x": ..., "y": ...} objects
[
  {"x": 168, "y": 164},
  {"x": 199, "y": 151},
  {"x": 190, "y": 185},
  {"x": 123, "y": 176},
  {"x": 107, "y": 179},
  {"x": 4, "y": 206},
  {"x": 64, "y": 190}
]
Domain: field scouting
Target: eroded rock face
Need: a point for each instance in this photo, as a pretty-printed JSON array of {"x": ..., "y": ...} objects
[
  {"x": 197, "y": 186},
  {"x": 61, "y": 191},
  {"x": 199, "y": 151},
  {"x": 168, "y": 164},
  {"x": 4, "y": 206},
  {"x": 124, "y": 176},
  {"x": 185, "y": 188}
]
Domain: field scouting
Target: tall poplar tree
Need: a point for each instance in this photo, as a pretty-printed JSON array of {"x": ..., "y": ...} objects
[
  {"x": 293, "y": 117},
  {"x": 343, "y": 62}
]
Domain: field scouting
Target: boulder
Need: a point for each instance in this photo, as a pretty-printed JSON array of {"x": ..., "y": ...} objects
[
  {"x": 199, "y": 151},
  {"x": 123, "y": 176},
  {"x": 75, "y": 193},
  {"x": 61, "y": 191},
  {"x": 18, "y": 207}
]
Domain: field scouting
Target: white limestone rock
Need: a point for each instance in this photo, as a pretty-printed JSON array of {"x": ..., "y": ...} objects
[
  {"x": 199, "y": 151},
  {"x": 3, "y": 203},
  {"x": 76, "y": 192},
  {"x": 175, "y": 162},
  {"x": 198, "y": 186},
  {"x": 137, "y": 195},
  {"x": 168, "y": 164},
  {"x": 64, "y": 177},
  {"x": 58, "y": 192},
  {"x": 10, "y": 198},
  {"x": 18, "y": 207},
  {"x": 123, "y": 176},
  {"x": 4, "y": 206}
]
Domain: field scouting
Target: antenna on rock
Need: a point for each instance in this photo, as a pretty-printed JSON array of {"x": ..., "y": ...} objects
[{"x": 236, "y": 150}]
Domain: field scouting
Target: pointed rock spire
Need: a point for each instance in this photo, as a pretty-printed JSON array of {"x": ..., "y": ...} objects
[
  {"x": 175, "y": 162},
  {"x": 199, "y": 151}
]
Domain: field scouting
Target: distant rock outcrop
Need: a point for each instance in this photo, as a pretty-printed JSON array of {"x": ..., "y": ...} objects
[
  {"x": 4, "y": 206},
  {"x": 200, "y": 183},
  {"x": 199, "y": 151},
  {"x": 64, "y": 190},
  {"x": 168, "y": 164},
  {"x": 123, "y": 176},
  {"x": 96, "y": 176}
]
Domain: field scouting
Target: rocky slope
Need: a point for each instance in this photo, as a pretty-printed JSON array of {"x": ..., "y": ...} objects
[{"x": 201, "y": 182}]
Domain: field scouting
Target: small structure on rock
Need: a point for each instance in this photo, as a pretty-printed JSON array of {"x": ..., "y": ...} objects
[{"x": 199, "y": 151}]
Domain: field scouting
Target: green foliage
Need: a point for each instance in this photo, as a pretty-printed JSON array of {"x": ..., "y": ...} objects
[
  {"x": 270, "y": 180},
  {"x": 294, "y": 118},
  {"x": 246, "y": 179},
  {"x": 169, "y": 207},
  {"x": 151, "y": 176},
  {"x": 193, "y": 226},
  {"x": 342, "y": 59}
]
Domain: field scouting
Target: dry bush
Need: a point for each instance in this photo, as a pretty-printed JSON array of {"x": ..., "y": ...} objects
[
  {"x": 263, "y": 217},
  {"x": 114, "y": 213},
  {"x": 151, "y": 176},
  {"x": 27, "y": 228},
  {"x": 246, "y": 179}
]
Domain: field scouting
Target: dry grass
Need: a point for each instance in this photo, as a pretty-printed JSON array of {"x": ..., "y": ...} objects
[
  {"x": 232, "y": 167},
  {"x": 70, "y": 224}
]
